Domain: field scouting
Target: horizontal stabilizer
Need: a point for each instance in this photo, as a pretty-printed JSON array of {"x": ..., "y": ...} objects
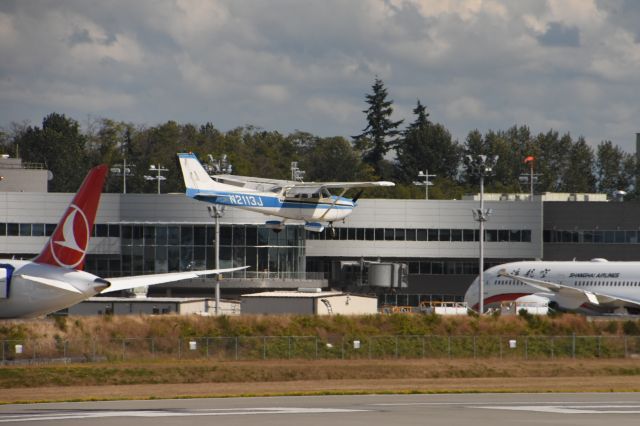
[{"x": 60, "y": 285}]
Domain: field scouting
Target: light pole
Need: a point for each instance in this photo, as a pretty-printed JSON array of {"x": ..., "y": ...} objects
[
  {"x": 530, "y": 178},
  {"x": 158, "y": 169},
  {"x": 221, "y": 166},
  {"x": 124, "y": 171},
  {"x": 297, "y": 175},
  {"x": 427, "y": 183},
  {"x": 216, "y": 212},
  {"x": 481, "y": 166}
]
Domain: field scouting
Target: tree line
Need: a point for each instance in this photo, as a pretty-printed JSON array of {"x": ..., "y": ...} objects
[{"x": 383, "y": 150}]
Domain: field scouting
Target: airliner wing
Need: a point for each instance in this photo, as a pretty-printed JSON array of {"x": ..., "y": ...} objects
[
  {"x": 126, "y": 283},
  {"x": 595, "y": 298}
]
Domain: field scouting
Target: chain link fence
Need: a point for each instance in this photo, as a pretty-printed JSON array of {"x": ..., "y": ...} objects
[{"x": 312, "y": 347}]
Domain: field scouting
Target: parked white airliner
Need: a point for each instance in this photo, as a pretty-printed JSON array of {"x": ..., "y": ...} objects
[
  {"x": 593, "y": 286},
  {"x": 54, "y": 280}
]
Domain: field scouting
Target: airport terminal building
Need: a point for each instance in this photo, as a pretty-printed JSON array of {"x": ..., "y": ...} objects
[{"x": 437, "y": 240}]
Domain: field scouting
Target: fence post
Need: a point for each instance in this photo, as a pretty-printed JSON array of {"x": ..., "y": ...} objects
[
  {"x": 289, "y": 353},
  {"x": 599, "y": 346},
  {"x": 573, "y": 346},
  {"x": 179, "y": 348},
  {"x": 397, "y": 347},
  {"x": 500, "y": 345},
  {"x": 626, "y": 354},
  {"x": 449, "y": 346},
  {"x": 236, "y": 348},
  {"x": 526, "y": 348},
  {"x": 553, "y": 347},
  {"x": 124, "y": 343},
  {"x": 423, "y": 348},
  {"x": 316, "y": 347},
  {"x": 264, "y": 347},
  {"x": 475, "y": 355},
  {"x": 370, "y": 343}
]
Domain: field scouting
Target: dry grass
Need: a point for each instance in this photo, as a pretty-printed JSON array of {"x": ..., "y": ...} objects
[
  {"x": 113, "y": 327},
  {"x": 206, "y": 377},
  {"x": 199, "y": 379}
]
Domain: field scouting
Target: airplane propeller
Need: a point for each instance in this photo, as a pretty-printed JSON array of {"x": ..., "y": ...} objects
[{"x": 358, "y": 195}]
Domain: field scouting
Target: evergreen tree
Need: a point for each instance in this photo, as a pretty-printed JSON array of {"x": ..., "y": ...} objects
[
  {"x": 426, "y": 146},
  {"x": 474, "y": 146},
  {"x": 615, "y": 169},
  {"x": 380, "y": 134},
  {"x": 579, "y": 175},
  {"x": 61, "y": 147}
]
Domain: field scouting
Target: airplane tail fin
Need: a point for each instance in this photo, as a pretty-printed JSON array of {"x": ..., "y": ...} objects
[
  {"x": 68, "y": 244},
  {"x": 196, "y": 177}
]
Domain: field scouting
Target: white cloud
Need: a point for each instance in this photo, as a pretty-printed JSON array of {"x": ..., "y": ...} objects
[
  {"x": 286, "y": 64},
  {"x": 8, "y": 34},
  {"x": 273, "y": 93},
  {"x": 334, "y": 109}
]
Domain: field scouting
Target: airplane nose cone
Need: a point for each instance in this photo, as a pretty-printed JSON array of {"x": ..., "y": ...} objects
[
  {"x": 471, "y": 296},
  {"x": 99, "y": 284}
]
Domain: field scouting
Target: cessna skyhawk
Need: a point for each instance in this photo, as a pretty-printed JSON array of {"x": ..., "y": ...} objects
[{"x": 310, "y": 202}]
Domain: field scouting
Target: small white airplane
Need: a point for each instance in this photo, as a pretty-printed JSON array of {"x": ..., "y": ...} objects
[
  {"x": 310, "y": 202},
  {"x": 597, "y": 286},
  {"x": 55, "y": 280}
]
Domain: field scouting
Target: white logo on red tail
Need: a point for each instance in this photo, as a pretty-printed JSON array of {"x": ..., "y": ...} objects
[{"x": 69, "y": 244}]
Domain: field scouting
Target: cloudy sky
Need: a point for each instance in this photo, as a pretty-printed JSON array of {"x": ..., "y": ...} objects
[{"x": 570, "y": 65}]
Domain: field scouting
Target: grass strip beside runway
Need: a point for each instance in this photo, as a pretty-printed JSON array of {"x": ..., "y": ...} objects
[{"x": 181, "y": 379}]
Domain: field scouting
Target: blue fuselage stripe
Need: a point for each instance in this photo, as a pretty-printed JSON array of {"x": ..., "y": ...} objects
[{"x": 264, "y": 201}]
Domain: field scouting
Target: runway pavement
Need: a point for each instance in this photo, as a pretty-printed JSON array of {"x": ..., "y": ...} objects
[{"x": 371, "y": 410}]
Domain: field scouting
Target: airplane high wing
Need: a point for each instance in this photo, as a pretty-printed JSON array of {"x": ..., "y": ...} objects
[
  {"x": 311, "y": 202},
  {"x": 570, "y": 296}
]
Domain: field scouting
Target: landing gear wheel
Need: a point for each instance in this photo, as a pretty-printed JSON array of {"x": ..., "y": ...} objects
[{"x": 332, "y": 232}]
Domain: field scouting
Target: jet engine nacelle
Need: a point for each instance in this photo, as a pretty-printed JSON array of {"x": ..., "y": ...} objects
[
  {"x": 314, "y": 227},
  {"x": 275, "y": 225},
  {"x": 5, "y": 283}
]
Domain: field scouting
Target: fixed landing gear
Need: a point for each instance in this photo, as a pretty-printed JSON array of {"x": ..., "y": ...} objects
[{"x": 331, "y": 231}]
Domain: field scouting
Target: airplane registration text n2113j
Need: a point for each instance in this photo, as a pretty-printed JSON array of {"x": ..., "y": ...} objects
[
  {"x": 310, "y": 202},
  {"x": 55, "y": 280}
]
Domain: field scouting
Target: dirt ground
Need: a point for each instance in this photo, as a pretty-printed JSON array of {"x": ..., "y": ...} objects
[{"x": 430, "y": 377}]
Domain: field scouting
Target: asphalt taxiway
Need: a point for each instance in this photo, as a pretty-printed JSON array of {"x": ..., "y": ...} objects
[{"x": 372, "y": 410}]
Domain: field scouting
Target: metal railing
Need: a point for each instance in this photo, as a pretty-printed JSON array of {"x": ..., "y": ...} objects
[{"x": 313, "y": 347}]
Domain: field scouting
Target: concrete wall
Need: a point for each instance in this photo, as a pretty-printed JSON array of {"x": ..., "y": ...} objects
[
  {"x": 277, "y": 305},
  {"x": 347, "y": 304},
  {"x": 570, "y": 216},
  {"x": 432, "y": 214}
]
